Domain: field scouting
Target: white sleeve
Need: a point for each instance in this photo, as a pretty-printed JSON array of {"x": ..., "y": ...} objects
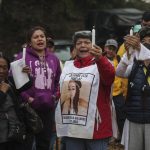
[
  {"x": 124, "y": 67},
  {"x": 144, "y": 53}
]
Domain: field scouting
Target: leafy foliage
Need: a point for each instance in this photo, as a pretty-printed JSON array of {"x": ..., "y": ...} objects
[{"x": 60, "y": 18}]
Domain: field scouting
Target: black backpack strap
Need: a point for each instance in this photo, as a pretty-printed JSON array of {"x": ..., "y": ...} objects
[{"x": 118, "y": 58}]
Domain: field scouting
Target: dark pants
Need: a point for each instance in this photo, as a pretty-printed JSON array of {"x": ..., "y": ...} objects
[
  {"x": 86, "y": 144},
  {"x": 119, "y": 102},
  {"x": 42, "y": 140},
  {"x": 12, "y": 146}
]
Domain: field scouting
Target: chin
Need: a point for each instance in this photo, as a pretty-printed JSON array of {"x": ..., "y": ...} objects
[{"x": 40, "y": 49}]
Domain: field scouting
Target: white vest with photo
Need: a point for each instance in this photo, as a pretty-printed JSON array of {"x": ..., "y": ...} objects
[{"x": 81, "y": 124}]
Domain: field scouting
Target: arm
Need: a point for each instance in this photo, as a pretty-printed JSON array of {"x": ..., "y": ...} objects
[
  {"x": 124, "y": 67},
  {"x": 139, "y": 50},
  {"x": 106, "y": 69},
  {"x": 25, "y": 96},
  {"x": 56, "y": 82},
  {"x": 144, "y": 53}
]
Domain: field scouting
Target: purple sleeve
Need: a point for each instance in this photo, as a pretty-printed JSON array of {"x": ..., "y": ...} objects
[
  {"x": 25, "y": 96},
  {"x": 58, "y": 73}
]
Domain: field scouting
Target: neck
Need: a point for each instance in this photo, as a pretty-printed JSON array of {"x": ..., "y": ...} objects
[{"x": 40, "y": 53}]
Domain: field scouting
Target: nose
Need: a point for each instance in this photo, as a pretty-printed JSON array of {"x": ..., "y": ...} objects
[
  {"x": 83, "y": 44},
  {"x": 39, "y": 38}
]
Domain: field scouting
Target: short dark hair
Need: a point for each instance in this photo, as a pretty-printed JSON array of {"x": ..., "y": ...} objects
[
  {"x": 145, "y": 31},
  {"x": 32, "y": 30},
  {"x": 146, "y": 16},
  {"x": 50, "y": 42},
  {"x": 7, "y": 60}
]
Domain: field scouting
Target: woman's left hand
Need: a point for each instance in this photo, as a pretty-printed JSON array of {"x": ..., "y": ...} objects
[
  {"x": 26, "y": 69},
  {"x": 96, "y": 51}
]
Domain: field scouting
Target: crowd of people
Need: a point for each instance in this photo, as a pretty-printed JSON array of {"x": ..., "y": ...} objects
[{"x": 75, "y": 100}]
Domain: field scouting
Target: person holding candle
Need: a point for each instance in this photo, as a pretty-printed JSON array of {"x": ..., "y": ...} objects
[
  {"x": 45, "y": 72},
  {"x": 137, "y": 69},
  {"x": 92, "y": 130}
]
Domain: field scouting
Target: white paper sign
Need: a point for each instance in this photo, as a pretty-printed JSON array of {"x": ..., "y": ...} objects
[{"x": 20, "y": 78}]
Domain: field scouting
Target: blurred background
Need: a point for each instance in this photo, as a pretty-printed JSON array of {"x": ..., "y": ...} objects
[{"x": 62, "y": 18}]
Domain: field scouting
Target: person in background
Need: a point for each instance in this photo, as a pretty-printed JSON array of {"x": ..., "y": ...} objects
[
  {"x": 72, "y": 52},
  {"x": 45, "y": 72},
  {"x": 51, "y": 48},
  {"x": 53, "y": 140},
  {"x": 111, "y": 47},
  {"x": 137, "y": 69},
  {"x": 50, "y": 44},
  {"x": 120, "y": 53},
  {"x": 96, "y": 74},
  {"x": 145, "y": 19}
]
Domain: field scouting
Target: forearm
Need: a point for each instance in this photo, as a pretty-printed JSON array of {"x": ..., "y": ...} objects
[
  {"x": 144, "y": 53},
  {"x": 106, "y": 69},
  {"x": 124, "y": 67}
]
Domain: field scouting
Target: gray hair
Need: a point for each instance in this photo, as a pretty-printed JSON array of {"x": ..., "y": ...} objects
[{"x": 86, "y": 34}]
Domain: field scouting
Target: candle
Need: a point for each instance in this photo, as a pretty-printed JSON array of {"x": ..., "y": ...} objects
[
  {"x": 131, "y": 32},
  {"x": 93, "y": 36},
  {"x": 24, "y": 55},
  {"x": 131, "y": 48}
]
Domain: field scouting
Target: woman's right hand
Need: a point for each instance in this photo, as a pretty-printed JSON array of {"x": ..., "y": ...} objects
[{"x": 4, "y": 86}]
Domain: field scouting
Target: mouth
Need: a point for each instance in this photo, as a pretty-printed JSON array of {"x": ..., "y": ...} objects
[
  {"x": 84, "y": 51},
  {"x": 41, "y": 44}
]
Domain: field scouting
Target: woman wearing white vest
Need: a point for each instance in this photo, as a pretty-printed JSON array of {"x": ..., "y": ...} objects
[{"x": 87, "y": 126}]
